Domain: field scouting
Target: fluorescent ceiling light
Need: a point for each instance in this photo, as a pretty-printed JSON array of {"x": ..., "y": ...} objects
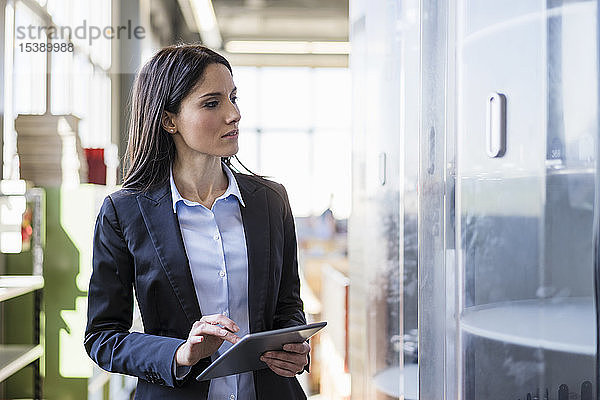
[
  {"x": 188, "y": 14},
  {"x": 330, "y": 47},
  {"x": 204, "y": 14},
  {"x": 267, "y": 46},
  {"x": 286, "y": 47},
  {"x": 205, "y": 20}
]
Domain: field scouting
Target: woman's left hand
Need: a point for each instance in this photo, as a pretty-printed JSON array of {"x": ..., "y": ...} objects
[{"x": 290, "y": 361}]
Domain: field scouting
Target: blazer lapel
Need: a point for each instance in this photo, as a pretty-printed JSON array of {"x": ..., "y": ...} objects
[
  {"x": 255, "y": 218},
  {"x": 157, "y": 210}
]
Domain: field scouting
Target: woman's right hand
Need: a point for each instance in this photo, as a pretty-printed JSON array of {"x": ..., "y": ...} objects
[{"x": 205, "y": 338}]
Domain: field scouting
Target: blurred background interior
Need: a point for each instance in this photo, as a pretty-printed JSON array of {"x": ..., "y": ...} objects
[{"x": 439, "y": 155}]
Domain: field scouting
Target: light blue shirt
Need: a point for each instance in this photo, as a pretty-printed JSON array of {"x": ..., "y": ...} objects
[{"x": 215, "y": 244}]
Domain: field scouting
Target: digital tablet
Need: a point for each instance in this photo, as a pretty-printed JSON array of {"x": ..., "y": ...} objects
[{"x": 245, "y": 355}]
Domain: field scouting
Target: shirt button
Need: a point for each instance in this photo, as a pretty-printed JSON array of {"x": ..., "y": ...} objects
[
  {"x": 232, "y": 397},
  {"x": 221, "y": 274},
  {"x": 217, "y": 236}
]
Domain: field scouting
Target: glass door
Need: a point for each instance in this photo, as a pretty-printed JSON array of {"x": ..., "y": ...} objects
[{"x": 526, "y": 150}]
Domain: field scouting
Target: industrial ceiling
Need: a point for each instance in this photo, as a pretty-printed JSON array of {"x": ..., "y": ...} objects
[{"x": 272, "y": 32}]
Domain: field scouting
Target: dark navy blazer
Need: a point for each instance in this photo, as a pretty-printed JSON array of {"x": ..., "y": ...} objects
[{"x": 138, "y": 245}]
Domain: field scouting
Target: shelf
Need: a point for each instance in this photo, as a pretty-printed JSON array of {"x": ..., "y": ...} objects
[
  {"x": 388, "y": 381},
  {"x": 565, "y": 324},
  {"x": 17, "y": 285},
  {"x": 15, "y": 357},
  {"x": 581, "y": 171}
]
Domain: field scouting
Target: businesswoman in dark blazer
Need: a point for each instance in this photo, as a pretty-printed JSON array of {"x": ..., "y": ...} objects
[{"x": 209, "y": 252}]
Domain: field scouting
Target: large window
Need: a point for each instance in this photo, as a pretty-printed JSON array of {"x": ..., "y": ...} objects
[
  {"x": 79, "y": 78},
  {"x": 295, "y": 128}
]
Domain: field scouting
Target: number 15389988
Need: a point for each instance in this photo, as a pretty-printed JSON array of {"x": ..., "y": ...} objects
[{"x": 36, "y": 47}]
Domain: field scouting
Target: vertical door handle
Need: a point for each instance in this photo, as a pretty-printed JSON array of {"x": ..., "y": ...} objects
[
  {"x": 431, "y": 142},
  {"x": 496, "y": 125},
  {"x": 382, "y": 169}
]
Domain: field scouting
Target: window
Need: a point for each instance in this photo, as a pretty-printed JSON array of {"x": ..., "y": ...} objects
[{"x": 295, "y": 128}]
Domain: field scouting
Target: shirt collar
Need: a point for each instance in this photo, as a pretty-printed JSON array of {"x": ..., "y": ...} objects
[{"x": 232, "y": 189}]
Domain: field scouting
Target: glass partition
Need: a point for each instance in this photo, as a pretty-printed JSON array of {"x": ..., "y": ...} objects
[
  {"x": 526, "y": 150},
  {"x": 383, "y": 225}
]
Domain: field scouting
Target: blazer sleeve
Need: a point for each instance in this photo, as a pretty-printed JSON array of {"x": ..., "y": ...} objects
[
  {"x": 110, "y": 310},
  {"x": 289, "y": 309}
]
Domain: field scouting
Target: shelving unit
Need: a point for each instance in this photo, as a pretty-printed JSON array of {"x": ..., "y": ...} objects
[
  {"x": 17, "y": 285},
  {"x": 15, "y": 357},
  {"x": 388, "y": 381},
  {"x": 566, "y": 324}
]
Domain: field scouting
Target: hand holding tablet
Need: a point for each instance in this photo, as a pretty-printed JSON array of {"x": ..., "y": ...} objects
[
  {"x": 288, "y": 362},
  {"x": 245, "y": 354}
]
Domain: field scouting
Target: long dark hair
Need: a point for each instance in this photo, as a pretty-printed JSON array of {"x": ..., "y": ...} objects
[{"x": 161, "y": 85}]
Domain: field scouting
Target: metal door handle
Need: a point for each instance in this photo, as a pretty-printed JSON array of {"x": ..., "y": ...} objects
[{"x": 496, "y": 125}]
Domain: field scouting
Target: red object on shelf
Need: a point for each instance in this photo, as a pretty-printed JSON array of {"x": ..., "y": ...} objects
[{"x": 96, "y": 166}]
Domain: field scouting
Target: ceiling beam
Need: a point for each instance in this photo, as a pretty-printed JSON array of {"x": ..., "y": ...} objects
[
  {"x": 288, "y": 60},
  {"x": 244, "y": 27}
]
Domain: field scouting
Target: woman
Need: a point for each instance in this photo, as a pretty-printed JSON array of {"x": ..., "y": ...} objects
[{"x": 210, "y": 252}]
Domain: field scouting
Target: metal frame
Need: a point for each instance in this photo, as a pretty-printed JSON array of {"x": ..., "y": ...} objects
[
  {"x": 432, "y": 200},
  {"x": 596, "y": 239},
  {"x": 36, "y": 196}
]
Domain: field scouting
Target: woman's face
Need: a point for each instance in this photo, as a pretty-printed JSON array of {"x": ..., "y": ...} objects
[{"x": 208, "y": 117}]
